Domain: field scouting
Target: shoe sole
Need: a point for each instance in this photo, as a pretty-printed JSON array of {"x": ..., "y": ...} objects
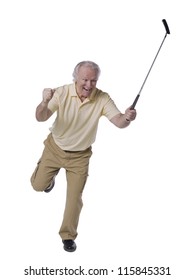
[{"x": 70, "y": 250}]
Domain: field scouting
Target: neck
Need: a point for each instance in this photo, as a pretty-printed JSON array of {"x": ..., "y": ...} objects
[{"x": 82, "y": 98}]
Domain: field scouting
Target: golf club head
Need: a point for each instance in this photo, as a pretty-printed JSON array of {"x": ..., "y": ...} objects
[{"x": 166, "y": 26}]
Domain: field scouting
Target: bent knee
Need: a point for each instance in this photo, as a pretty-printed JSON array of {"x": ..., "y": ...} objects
[{"x": 38, "y": 188}]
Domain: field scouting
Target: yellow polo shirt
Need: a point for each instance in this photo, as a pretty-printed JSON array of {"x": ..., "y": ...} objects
[{"x": 76, "y": 123}]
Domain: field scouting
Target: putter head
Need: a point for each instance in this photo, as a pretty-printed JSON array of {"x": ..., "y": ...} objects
[{"x": 166, "y": 26}]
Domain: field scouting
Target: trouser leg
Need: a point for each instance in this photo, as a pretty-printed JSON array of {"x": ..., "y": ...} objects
[
  {"x": 74, "y": 204},
  {"x": 76, "y": 175},
  {"x": 47, "y": 167}
]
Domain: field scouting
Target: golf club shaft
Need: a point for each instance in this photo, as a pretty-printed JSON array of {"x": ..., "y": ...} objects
[{"x": 138, "y": 95}]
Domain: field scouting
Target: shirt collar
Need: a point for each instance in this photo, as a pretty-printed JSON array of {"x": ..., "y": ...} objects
[{"x": 73, "y": 91}]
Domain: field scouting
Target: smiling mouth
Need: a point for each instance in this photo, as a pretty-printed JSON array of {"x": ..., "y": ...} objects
[{"x": 86, "y": 89}]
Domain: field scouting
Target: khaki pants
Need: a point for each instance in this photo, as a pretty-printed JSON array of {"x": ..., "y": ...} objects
[{"x": 76, "y": 166}]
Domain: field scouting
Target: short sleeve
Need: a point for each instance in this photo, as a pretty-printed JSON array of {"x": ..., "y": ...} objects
[{"x": 110, "y": 109}]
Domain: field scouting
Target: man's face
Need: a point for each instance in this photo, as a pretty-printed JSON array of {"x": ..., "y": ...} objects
[{"x": 86, "y": 81}]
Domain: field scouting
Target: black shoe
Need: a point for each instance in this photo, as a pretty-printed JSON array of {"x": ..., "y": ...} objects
[
  {"x": 51, "y": 185},
  {"x": 69, "y": 245}
]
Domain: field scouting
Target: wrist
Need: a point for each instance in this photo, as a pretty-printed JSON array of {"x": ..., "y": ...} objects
[{"x": 44, "y": 103}]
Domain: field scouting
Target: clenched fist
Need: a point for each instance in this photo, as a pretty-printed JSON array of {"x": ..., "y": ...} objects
[
  {"x": 48, "y": 94},
  {"x": 130, "y": 114}
]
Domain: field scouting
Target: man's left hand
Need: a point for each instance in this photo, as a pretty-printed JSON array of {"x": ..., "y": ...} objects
[{"x": 130, "y": 114}]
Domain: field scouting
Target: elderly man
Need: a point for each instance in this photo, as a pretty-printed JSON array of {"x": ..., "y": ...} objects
[{"x": 79, "y": 107}]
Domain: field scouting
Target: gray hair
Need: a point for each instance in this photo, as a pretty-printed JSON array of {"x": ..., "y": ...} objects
[{"x": 89, "y": 63}]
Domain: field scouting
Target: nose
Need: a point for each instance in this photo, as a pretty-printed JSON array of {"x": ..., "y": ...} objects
[{"x": 89, "y": 83}]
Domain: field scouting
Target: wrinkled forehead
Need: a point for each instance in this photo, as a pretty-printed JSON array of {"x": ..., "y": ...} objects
[{"x": 86, "y": 71}]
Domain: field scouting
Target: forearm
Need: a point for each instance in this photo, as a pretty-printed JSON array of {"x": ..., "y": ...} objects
[
  {"x": 120, "y": 121},
  {"x": 42, "y": 112}
]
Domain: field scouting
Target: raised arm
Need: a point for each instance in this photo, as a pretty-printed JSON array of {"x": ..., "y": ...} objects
[{"x": 42, "y": 111}]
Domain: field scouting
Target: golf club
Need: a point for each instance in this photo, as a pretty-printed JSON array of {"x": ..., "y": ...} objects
[{"x": 138, "y": 95}]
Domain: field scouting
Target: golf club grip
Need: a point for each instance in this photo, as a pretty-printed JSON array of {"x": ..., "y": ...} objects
[
  {"x": 135, "y": 102},
  {"x": 166, "y": 26}
]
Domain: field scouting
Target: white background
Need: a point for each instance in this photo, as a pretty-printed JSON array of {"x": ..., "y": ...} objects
[{"x": 139, "y": 201}]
